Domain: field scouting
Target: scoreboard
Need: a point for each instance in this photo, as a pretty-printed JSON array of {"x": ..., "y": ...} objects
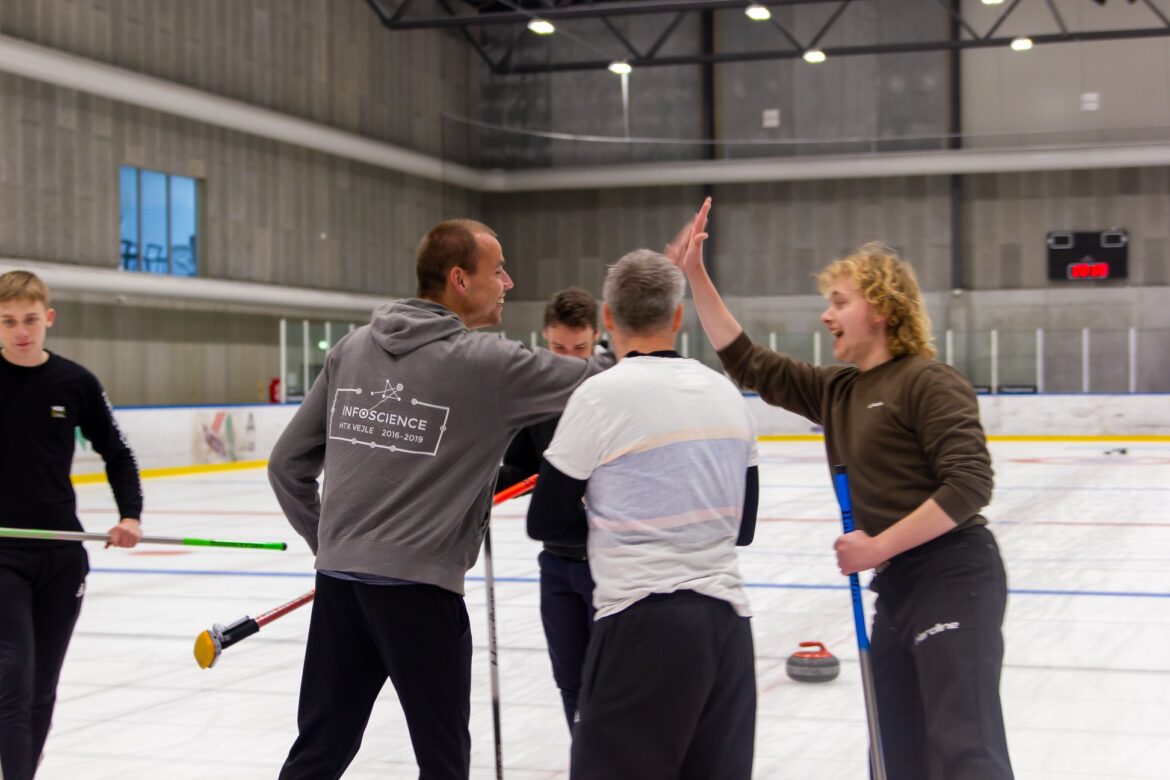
[{"x": 1088, "y": 255}]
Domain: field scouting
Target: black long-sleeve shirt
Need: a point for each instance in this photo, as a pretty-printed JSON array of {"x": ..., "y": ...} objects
[
  {"x": 40, "y": 408},
  {"x": 522, "y": 460}
]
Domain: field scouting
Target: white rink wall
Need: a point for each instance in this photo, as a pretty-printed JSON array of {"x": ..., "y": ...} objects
[
  {"x": 1026, "y": 415},
  {"x": 179, "y": 436},
  {"x": 175, "y": 437}
]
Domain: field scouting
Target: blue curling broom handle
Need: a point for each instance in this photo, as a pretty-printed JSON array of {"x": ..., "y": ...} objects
[{"x": 877, "y": 762}]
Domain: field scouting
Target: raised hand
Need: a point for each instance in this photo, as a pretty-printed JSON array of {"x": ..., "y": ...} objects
[
  {"x": 693, "y": 258},
  {"x": 676, "y": 250}
]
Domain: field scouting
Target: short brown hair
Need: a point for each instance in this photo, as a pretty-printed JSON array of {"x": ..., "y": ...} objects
[
  {"x": 888, "y": 283},
  {"x": 573, "y": 308},
  {"x": 23, "y": 286},
  {"x": 447, "y": 245}
]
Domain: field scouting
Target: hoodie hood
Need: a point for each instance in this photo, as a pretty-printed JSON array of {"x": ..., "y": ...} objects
[{"x": 400, "y": 327}]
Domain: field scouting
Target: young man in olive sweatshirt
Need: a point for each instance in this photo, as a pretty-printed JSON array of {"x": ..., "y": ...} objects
[{"x": 907, "y": 427}]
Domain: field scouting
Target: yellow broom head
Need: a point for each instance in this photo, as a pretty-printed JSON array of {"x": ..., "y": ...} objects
[{"x": 206, "y": 649}]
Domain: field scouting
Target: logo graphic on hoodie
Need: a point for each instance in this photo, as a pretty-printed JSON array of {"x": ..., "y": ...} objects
[
  {"x": 388, "y": 393},
  {"x": 417, "y": 429}
]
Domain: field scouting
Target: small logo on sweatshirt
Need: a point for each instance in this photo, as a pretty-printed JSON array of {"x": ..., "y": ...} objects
[
  {"x": 875, "y": 404},
  {"x": 388, "y": 393},
  {"x": 57, "y": 411},
  {"x": 937, "y": 628},
  {"x": 80, "y": 590}
]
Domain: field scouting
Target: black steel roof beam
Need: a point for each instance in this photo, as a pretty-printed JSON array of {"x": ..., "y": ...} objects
[
  {"x": 507, "y": 57},
  {"x": 398, "y": 14},
  {"x": 849, "y": 51},
  {"x": 632, "y": 8},
  {"x": 958, "y": 18},
  {"x": 1056, "y": 15},
  {"x": 471, "y": 40},
  {"x": 670, "y": 28},
  {"x": 791, "y": 38},
  {"x": 383, "y": 17},
  {"x": 1149, "y": 4},
  {"x": 832, "y": 20},
  {"x": 1003, "y": 18},
  {"x": 618, "y": 34}
]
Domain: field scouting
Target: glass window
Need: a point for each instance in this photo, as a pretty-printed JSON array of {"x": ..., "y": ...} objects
[
  {"x": 153, "y": 208},
  {"x": 182, "y": 226},
  {"x": 129, "y": 232},
  {"x": 159, "y": 218}
]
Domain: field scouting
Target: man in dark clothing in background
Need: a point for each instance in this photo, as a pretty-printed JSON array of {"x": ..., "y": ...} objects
[{"x": 566, "y": 587}]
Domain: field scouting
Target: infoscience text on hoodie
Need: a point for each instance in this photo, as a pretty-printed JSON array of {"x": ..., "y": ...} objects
[{"x": 393, "y": 422}]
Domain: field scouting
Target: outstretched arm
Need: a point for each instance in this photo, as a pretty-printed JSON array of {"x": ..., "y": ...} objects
[{"x": 686, "y": 252}]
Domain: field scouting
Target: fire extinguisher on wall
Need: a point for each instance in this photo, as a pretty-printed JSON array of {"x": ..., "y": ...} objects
[{"x": 274, "y": 390}]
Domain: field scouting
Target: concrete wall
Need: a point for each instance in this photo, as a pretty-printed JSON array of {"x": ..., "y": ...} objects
[
  {"x": 845, "y": 103},
  {"x": 272, "y": 212},
  {"x": 280, "y": 214},
  {"x": 1006, "y": 217},
  {"x": 1034, "y": 96},
  {"x": 662, "y": 102}
]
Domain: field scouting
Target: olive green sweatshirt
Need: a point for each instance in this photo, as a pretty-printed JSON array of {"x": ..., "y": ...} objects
[{"x": 907, "y": 430}]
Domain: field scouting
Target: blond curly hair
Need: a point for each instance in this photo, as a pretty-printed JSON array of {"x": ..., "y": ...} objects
[{"x": 888, "y": 283}]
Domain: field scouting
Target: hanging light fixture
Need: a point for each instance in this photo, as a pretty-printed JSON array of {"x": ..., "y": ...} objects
[{"x": 758, "y": 13}]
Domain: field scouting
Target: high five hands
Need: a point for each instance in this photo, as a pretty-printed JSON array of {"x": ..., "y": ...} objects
[{"x": 686, "y": 250}]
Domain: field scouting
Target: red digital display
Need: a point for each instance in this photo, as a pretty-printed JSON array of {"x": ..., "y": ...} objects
[{"x": 1088, "y": 270}]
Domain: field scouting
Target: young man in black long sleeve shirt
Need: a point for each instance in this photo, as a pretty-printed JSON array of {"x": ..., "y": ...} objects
[
  {"x": 43, "y": 398},
  {"x": 566, "y": 587}
]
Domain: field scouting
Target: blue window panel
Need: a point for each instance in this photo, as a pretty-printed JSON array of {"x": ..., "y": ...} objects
[
  {"x": 183, "y": 220},
  {"x": 128, "y": 181},
  {"x": 154, "y": 222},
  {"x": 159, "y": 219}
]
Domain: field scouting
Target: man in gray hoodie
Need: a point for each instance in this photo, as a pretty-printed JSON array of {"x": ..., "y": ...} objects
[{"x": 408, "y": 421}]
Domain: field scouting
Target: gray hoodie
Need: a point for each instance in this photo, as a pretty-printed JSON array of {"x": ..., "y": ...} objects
[{"x": 409, "y": 420}]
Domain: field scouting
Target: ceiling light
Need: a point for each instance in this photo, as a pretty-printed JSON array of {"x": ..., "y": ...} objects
[
  {"x": 993, "y": 2},
  {"x": 758, "y": 13},
  {"x": 814, "y": 56},
  {"x": 620, "y": 67},
  {"x": 541, "y": 27},
  {"x": 1021, "y": 44}
]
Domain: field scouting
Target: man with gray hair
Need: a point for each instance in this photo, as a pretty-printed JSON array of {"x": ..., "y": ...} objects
[{"x": 663, "y": 450}]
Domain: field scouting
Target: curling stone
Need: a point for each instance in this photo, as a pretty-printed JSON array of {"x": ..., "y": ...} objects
[{"x": 813, "y": 664}]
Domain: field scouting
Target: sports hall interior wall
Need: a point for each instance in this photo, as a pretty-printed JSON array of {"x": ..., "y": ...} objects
[
  {"x": 272, "y": 212},
  {"x": 281, "y": 214}
]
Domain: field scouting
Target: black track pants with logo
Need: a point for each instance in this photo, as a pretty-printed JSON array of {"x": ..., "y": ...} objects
[
  {"x": 41, "y": 590},
  {"x": 419, "y": 637},
  {"x": 937, "y": 653},
  {"x": 669, "y": 693}
]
